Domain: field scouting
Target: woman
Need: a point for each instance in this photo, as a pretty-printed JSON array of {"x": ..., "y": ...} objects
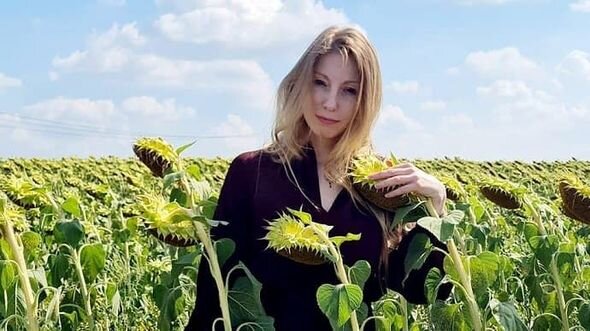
[{"x": 326, "y": 108}]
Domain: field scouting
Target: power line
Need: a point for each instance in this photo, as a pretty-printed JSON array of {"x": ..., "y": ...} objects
[{"x": 81, "y": 130}]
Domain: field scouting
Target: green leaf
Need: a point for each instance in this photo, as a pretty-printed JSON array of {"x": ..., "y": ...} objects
[
  {"x": 224, "y": 247},
  {"x": 92, "y": 258},
  {"x": 359, "y": 273},
  {"x": 544, "y": 247},
  {"x": 442, "y": 228},
  {"x": 72, "y": 206},
  {"x": 484, "y": 273},
  {"x": 447, "y": 317},
  {"x": 301, "y": 215},
  {"x": 244, "y": 301},
  {"x": 71, "y": 233},
  {"x": 59, "y": 269},
  {"x": 505, "y": 314},
  {"x": 432, "y": 283},
  {"x": 7, "y": 274},
  {"x": 195, "y": 172},
  {"x": 182, "y": 148},
  {"x": 339, "y": 240},
  {"x": 172, "y": 178},
  {"x": 409, "y": 213},
  {"x": 418, "y": 250},
  {"x": 178, "y": 195},
  {"x": 338, "y": 302},
  {"x": 584, "y": 315}
]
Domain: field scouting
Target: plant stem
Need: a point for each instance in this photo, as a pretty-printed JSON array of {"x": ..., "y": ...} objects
[
  {"x": 464, "y": 276},
  {"x": 465, "y": 280},
  {"x": 552, "y": 268},
  {"x": 83, "y": 287},
  {"x": 17, "y": 250},
  {"x": 404, "y": 306},
  {"x": 340, "y": 272},
  {"x": 212, "y": 255},
  {"x": 216, "y": 273}
]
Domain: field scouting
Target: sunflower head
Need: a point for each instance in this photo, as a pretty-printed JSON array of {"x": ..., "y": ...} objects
[
  {"x": 503, "y": 193},
  {"x": 10, "y": 213},
  {"x": 454, "y": 189},
  {"x": 290, "y": 237},
  {"x": 156, "y": 154},
  {"x": 575, "y": 197},
  {"x": 168, "y": 221},
  {"x": 364, "y": 166},
  {"x": 24, "y": 193}
]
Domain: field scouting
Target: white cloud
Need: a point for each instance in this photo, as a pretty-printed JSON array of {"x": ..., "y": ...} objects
[
  {"x": 581, "y": 6},
  {"x": 506, "y": 89},
  {"x": 505, "y": 62},
  {"x": 394, "y": 114},
  {"x": 53, "y": 76},
  {"x": 73, "y": 110},
  {"x": 405, "y": 87},
  {"x": 249, "y": 23},
  {"x": 106, "y": 52},
  {"x": 576, "y": 63},
  {"x": 7, "y": 81},
  {"x": 234, "y": 125},
  {"x": 114, "y": 52},
  {"x": 151, "y": 108},
  {"x": 433, "y": 105}
]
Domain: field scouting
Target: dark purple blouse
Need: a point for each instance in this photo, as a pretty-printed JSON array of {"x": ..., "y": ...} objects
[{"x": 255, "y": 190}]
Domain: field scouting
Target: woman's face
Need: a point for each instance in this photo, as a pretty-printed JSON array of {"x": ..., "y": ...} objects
[{"x": 334, "y": 93}]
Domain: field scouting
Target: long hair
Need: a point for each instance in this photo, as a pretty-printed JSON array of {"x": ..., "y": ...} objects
[{"x": 291, "y": 133}]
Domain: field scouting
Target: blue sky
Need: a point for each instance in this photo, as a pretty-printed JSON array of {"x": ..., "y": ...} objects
[{"x": 477, "y": 79}]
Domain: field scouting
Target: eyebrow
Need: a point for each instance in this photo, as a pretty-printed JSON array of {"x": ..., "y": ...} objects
[{"x": 346, "y": 82}]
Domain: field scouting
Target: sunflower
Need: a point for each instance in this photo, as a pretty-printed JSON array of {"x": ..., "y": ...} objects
[
  {"x": 503, "y": 193},
  {"x": 575, "y": 198},
  {"x": 156, "y": 154},
  {"x": 364, "y": 166}
]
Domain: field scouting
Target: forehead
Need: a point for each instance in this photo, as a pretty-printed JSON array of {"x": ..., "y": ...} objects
[{"x": 335, "y": 68}]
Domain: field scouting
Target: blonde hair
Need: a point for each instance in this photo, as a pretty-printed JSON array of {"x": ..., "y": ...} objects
[{"x": 291, "y": 132}]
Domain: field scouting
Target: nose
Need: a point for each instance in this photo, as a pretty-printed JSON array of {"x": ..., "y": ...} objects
[{"x": 330, "y": 102}]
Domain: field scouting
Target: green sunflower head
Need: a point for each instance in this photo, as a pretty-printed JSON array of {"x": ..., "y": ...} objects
[
  {"x": 503, "y": 193},
  {"x": 10, "y": 213},
  {"x": 168, "y": 221},
  {"x": 24, "y": 193},
  {"x": 365, "y": 165},
  {"x": 575, "y": 198},
  {"x": 156, "y": 154},
  {"x": 294, "y": 235},
  {"x": 454, "y": 189}
]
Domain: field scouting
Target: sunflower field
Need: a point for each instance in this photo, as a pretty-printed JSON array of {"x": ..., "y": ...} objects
[{"x": 115, "y": 244}]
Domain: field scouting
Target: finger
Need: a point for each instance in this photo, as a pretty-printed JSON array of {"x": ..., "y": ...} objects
[
  {"x": 396, "y": 180},
  {"x": 391, "y": 172},
  {"x": 402, "y": 190}
]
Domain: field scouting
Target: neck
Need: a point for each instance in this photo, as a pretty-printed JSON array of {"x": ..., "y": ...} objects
[{"x": 322, "y": 148}]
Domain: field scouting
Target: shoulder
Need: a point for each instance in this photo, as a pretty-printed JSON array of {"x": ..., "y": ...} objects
[{"x": 251, "y": 161}]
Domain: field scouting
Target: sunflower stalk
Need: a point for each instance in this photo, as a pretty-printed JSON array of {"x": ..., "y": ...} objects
[
  {"x": 83, "y": 288},
  {"x": 552, "y": 268},
  {"x": 214, "y": 267},
  {"x": 17, "y": 251},
  {"x": 340, "y": 270},
  {"x": 464, "y": 275}
]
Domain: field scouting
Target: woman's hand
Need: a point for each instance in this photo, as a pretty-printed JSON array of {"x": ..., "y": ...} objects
[{"x": 407, "y": 178}]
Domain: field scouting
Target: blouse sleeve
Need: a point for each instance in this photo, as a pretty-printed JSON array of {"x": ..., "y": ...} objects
[
  {"x": 233, "y": 207},
  {"x": 413, "y": 288}
]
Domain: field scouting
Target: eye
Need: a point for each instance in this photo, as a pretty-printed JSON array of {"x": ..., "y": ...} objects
[
  {"x": 350, "y": 90},
  {"x": 319, "y": 82}
]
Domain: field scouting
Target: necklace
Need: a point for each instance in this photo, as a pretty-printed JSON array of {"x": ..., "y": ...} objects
[{"x": 327, "y": 180}]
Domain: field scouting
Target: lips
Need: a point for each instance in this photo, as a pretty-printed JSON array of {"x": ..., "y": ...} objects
[{"x": 326, "y": 121}]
